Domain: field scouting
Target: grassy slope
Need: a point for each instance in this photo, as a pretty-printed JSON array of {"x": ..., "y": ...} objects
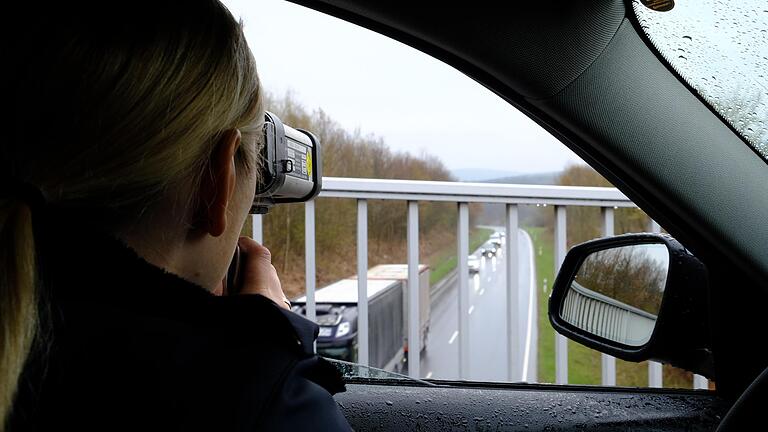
[
  {"x": 447, "y": 261},
  {"x": 583, "y": 363}
]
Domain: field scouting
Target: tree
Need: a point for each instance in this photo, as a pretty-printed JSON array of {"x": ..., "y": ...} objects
[
  {"x": 584, "y": 223},
  {"x": 629, "y": 274}
]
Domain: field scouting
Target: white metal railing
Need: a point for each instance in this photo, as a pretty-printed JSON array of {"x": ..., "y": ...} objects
[
  {"x": 412, "y": 192},
  {"x": 607, "y": 317}
]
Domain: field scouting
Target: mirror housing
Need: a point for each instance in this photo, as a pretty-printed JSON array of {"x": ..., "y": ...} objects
[{"x": 681, "y": 334}]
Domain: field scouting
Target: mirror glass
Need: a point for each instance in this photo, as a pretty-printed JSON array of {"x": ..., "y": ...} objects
[{"x": 616, "y": 293}]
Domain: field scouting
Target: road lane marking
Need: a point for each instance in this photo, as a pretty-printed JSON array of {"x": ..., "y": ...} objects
[
  {"x": 531, "y": 294},
  {"x": 429, "y": 375},
  {"x": 471, "y": 308},
  {"x": 453, "y": 338}
]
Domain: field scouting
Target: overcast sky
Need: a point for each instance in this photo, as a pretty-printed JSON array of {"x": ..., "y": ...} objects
[{"x": 416, "y": 103}]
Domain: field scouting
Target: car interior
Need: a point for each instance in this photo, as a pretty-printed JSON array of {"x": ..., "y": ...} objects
[{"x": 588, "y": 74}]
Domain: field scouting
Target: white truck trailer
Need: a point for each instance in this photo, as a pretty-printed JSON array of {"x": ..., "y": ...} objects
[{"x": 336, "y": 306}]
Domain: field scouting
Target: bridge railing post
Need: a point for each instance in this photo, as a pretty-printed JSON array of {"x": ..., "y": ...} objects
[
  {"x": 414, "y": 324},
  {"x": 362, "y": 282},
  {"x": 462, "y": 239},
  {"x": 515, "y": 338},
  {"x": 309, "y": 253},
  {"x": 655, "y": 370},
  {"x": 608, "y": 363},
  {"x": 561, "y": 342},
  {"x": 257, "y": 226}
]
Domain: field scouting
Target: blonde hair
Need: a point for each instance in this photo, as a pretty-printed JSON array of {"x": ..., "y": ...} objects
[{"x": 115, "y": 108}]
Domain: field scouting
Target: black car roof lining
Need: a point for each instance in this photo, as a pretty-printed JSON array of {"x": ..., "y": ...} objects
[{"x": 546, "y": 44}]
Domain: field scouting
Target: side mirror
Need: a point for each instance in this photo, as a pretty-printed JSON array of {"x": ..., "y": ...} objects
[{"x": 637, "y": 297}]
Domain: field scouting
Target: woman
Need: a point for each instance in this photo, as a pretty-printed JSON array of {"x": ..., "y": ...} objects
[{"x": 129, "y": 165}]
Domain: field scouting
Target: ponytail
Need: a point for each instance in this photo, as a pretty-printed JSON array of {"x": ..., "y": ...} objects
[{"x": 18, "y": 298}]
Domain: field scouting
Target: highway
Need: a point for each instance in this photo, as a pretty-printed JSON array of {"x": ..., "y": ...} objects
[{"x": 487, "y": 323}]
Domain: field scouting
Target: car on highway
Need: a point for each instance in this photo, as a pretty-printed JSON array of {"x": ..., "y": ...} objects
[
  {"x": 489, "y": 251},
  {"x": 497, "y": 239},
  {"x": 666, "y": 99},
  {"x": 473, "y": 263}
]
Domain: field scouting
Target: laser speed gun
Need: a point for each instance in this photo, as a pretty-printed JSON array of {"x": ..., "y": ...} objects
[{"x": 291, "y": 166}]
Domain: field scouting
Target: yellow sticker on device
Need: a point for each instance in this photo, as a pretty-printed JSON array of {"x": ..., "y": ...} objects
[{"x": 309, "y": 164}]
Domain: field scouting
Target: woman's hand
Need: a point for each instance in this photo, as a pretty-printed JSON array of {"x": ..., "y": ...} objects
[{"x": 257, "y": 274}]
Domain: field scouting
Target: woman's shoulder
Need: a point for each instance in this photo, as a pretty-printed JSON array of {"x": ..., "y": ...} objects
[
  {"x": 238, "y": 335},
  {"x": 224, "y": 362},
  {"x": 131, "y": 341}
]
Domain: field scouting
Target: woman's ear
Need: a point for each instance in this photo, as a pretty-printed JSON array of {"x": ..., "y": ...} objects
[{"x": 217, "y": 185}]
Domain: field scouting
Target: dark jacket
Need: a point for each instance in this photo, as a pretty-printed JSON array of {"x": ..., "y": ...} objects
[{"x": 131, "y": 347}]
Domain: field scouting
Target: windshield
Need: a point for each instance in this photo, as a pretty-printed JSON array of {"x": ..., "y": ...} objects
[
  {"x": 354, "y": 370},
  {"x": 720, "y": 48}
]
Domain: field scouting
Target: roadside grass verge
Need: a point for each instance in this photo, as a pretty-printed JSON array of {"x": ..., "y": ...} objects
[{"x": 583, "y": 363}]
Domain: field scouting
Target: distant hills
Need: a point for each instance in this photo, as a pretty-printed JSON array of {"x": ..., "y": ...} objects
[
  {"x": 545, "y": 178},
  {"x": 496, "y": 176},
  {"x": 480, "y": 174}
]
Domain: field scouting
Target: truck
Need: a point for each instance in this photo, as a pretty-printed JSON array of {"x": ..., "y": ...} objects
[{"x": 337, "y": 312}]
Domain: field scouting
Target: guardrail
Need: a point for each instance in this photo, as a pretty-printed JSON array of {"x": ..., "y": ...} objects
[
  {"x": 607, "y": 317},
  {"x": 462, "y": 194}
]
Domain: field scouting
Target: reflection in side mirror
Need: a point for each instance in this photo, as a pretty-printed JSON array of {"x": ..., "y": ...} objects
[{"x": 616, "y": 293}]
